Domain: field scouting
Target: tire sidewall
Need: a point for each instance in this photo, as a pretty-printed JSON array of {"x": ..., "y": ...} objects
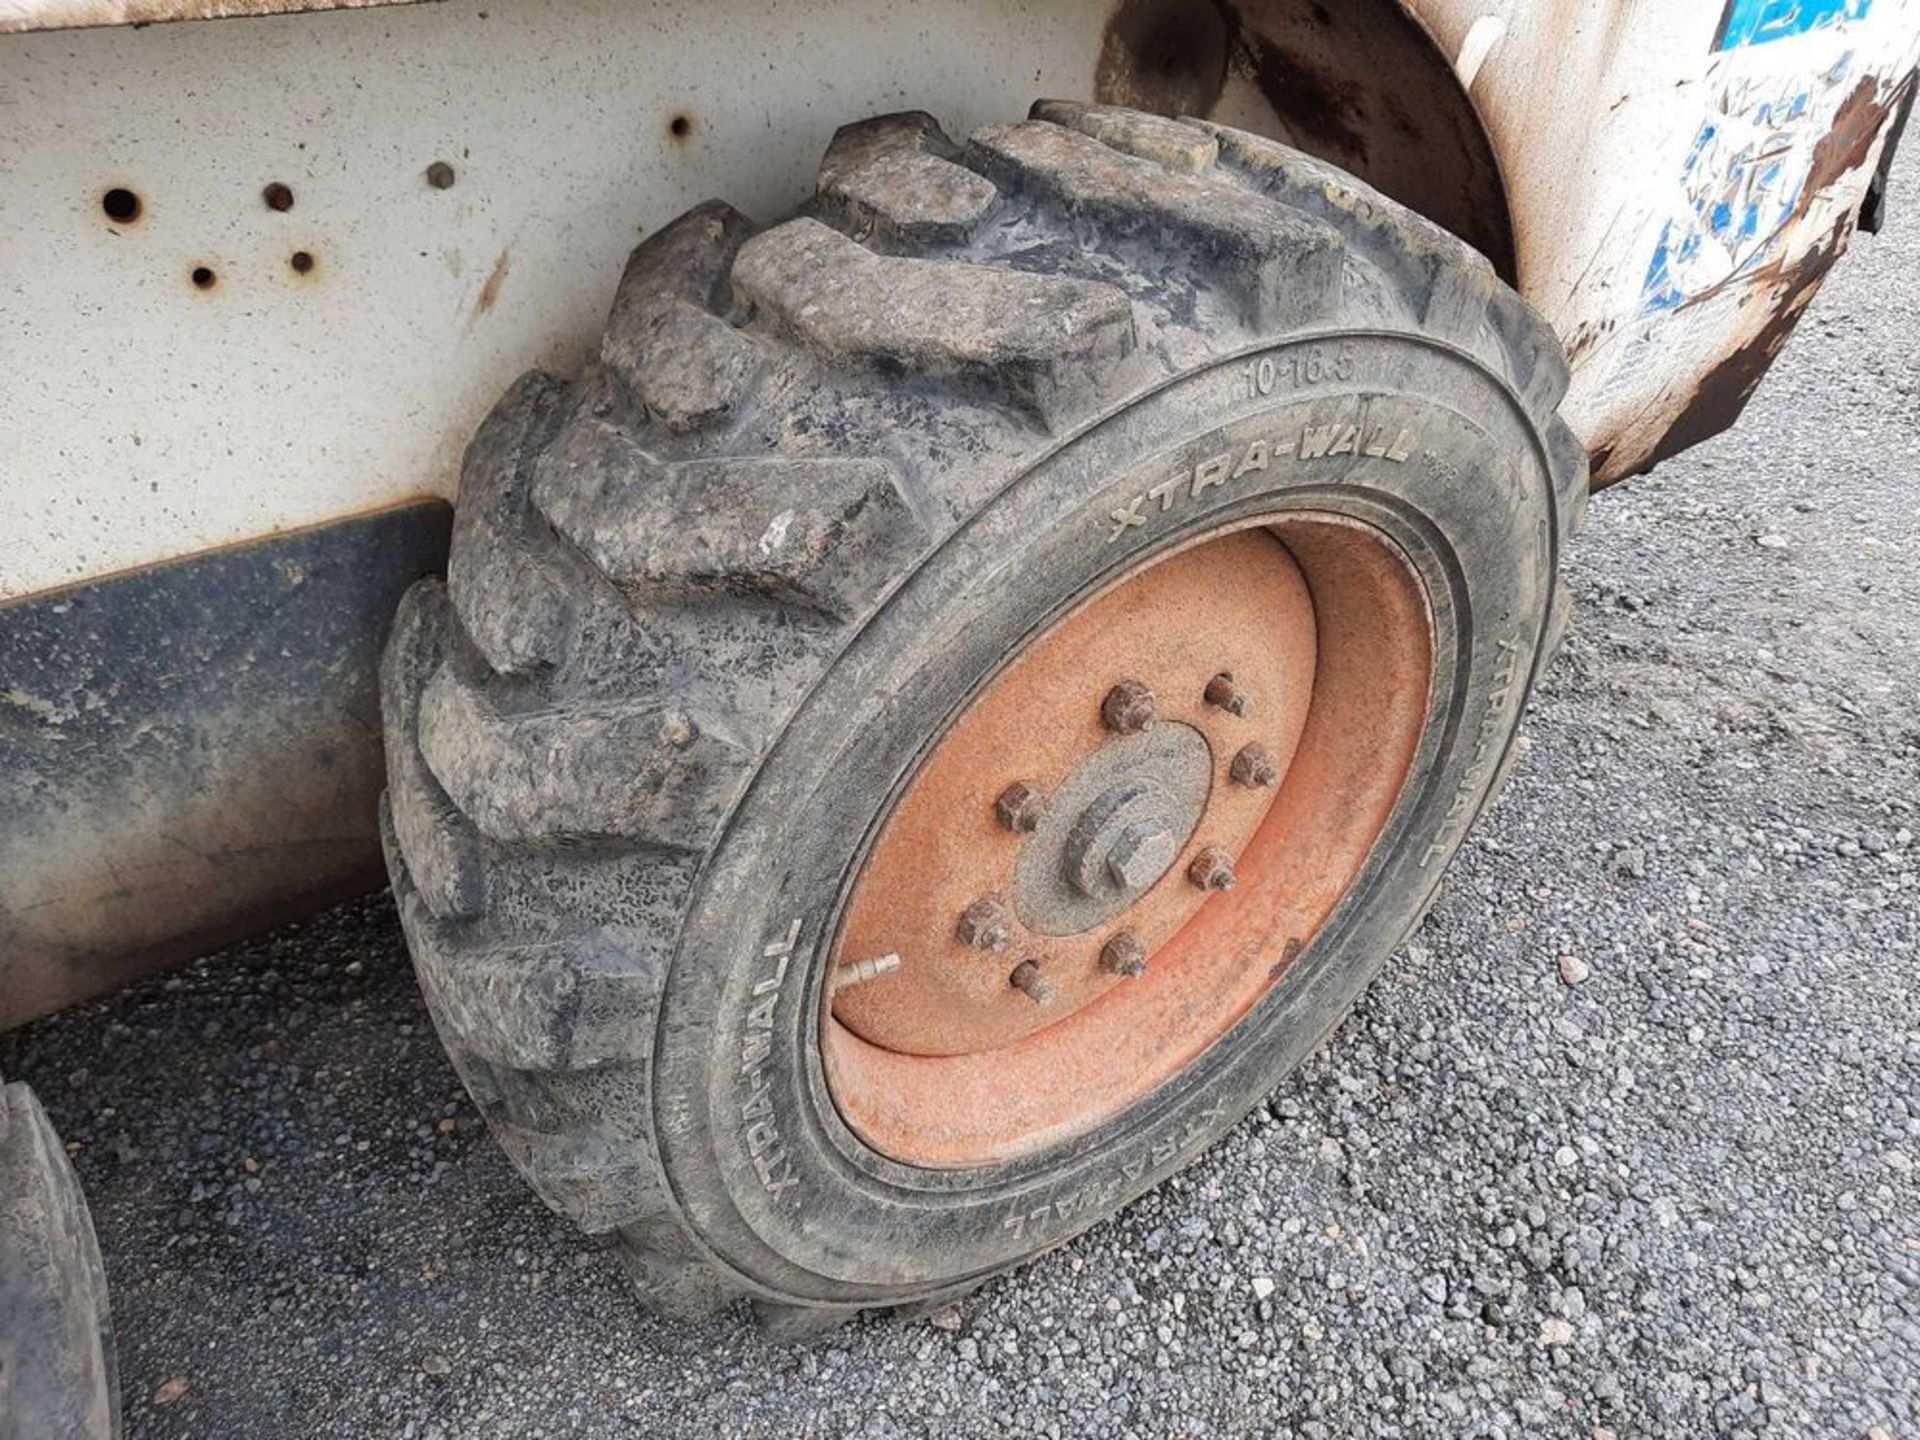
[{"x": 756, "y": 1156}]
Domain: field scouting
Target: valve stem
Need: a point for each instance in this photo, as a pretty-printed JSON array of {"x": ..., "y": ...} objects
[{"x": 858, "y": 972}]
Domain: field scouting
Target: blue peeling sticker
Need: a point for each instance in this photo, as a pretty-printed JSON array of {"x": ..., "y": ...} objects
[
  {"x": 1742, "y": 180},
  {"x": 1760, "y": 22}
]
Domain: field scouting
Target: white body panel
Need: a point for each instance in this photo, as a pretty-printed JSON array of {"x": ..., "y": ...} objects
[
  {"x": 1618, "y": 124},
  {"x": 145, "y": 419}
]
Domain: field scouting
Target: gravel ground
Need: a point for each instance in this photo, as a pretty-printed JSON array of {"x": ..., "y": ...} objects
[{"x": 1624, "y": 1141}]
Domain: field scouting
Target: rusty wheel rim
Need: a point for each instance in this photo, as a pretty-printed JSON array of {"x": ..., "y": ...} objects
[{"x": 1125, "y": 840}]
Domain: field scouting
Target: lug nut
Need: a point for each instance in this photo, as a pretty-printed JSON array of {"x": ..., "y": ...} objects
[
  {"x": 1027, "y": 979},
  {"x": 1021, "y": 807},
  {"x": 1124, "y": 955},
  {"x": 1212, "y": 869},
  {"x": 1254, "y": 766},
  {"x": 983, "y": 924},
  {"x": 1223, "y": 694},
  {"x": 1128, "y": 708}
]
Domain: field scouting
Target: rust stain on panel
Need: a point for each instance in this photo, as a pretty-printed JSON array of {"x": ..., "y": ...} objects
[
  {"x": 1783, "y": 288},
  {"x": 1847, "y": 146},
  {"x": 1722, "y": 394},
  {"x": 490, "y": 292}
]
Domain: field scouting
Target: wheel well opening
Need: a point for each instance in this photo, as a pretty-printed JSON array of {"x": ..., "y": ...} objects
[{"x": 1361, "y": 84}]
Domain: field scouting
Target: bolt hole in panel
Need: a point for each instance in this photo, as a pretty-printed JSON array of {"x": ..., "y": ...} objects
[
  {"x": 121, "y": 205},
  {"x": 939, "y": 1060}
]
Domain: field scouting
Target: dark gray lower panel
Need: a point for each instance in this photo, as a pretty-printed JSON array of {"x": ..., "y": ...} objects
[{"x": 191, "y": 751}]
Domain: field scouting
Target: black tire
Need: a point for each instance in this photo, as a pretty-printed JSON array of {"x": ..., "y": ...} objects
[
  {"x": 57, "y": 1371},
  {"x": 708, "y": 604}
]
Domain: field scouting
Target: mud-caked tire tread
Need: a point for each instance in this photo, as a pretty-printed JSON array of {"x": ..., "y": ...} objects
[
  {"x": 654, "y": 564},
  {"x": 57, "y": 1370}
]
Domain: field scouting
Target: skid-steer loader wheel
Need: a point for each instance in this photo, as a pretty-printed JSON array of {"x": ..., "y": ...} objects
[
  {"x": 57, "y": 1371},
  {"x": 961, "y": 697}
]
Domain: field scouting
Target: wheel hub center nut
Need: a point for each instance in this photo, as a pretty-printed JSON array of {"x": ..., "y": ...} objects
[
  {"x": 1141, "y": 855},
  {"x": 1122, "y": 841},
  {"x": 1116, "y": 826}
]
